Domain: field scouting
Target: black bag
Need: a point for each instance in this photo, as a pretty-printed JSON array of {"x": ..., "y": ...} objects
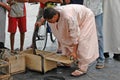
[{"x": 54, "y": 78}]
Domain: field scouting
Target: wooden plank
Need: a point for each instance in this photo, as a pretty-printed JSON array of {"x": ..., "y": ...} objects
[
  {"x": 60, "y": 58},
  {"x": 4, "y": 76},
  {"x": 3, "y": 63}
]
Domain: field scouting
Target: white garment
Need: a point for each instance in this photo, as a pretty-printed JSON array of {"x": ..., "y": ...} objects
[
  {"x": 111, "y": 26},
  {"x": 76, "y": 25},
  {"x": 2, "y": 22}
]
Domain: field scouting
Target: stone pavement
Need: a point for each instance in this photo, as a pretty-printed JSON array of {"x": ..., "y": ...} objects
[{"x": 110, "y": 72}]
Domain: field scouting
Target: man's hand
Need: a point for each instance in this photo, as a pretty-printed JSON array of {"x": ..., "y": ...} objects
[
  {"x": 74, "y": 53},
  {"x": 4, "y": 5},
  {"x": 38, "y": 24},
  {"x": 74, "y": 56}
]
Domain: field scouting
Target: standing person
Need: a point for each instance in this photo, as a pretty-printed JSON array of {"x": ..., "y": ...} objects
[
  {"x": 112, "y": 27},
  {"x": 17, "y": 17},
  {"x": 76, "y": 32},
  {"x": 97, "y": 7},
  {"x": 3, "y": 8}
]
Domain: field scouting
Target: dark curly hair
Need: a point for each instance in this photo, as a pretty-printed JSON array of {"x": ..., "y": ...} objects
[{"x": 48, "y": 13}]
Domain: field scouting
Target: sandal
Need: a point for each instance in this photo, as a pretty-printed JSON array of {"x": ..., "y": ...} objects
[{"x": 78, "y": 73}]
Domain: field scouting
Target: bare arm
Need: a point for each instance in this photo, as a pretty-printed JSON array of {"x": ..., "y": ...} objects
[
  {"x": 40, "y": 22},
  {"x": 7, "y": 7}
]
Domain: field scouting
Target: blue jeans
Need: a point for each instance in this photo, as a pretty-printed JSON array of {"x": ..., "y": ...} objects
[{"x": 99, "y": 25}]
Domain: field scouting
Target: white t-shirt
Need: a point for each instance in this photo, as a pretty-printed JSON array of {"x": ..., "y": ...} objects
[{"x": 17, "y": 10}]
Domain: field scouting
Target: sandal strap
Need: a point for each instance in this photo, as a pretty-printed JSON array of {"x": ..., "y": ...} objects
[
  {"x": 78, "y": 72},
  {"x": 81, "y": 70}
]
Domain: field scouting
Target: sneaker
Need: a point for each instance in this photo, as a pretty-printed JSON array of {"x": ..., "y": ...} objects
[
  {"x": 116, "y": 57},
  {"x": 100, "y": 65}
]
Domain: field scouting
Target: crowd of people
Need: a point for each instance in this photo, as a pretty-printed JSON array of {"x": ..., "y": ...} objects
[{"x": 87, "y": 32}]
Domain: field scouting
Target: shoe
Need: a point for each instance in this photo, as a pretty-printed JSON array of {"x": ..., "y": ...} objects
[
  {"x": 78, "y": 73},
  {"x": 1, "y": 45},
  {"x": 106, "y": 55},
  {"x": 100, "y": 65},
  {"x": 116, "y": 57}
]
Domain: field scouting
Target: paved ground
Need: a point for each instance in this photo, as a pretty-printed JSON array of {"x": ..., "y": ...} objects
[{"x": 110, "y": 72}]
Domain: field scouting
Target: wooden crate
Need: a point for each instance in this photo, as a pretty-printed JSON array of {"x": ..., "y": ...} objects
[
  {"x": 4, "y": 70},
  {"x": 16, "y": 61},
  {"x": 38, "y": 62},
  {"x": 5, "y": 77},
  {"x": 43, "y": 61}
]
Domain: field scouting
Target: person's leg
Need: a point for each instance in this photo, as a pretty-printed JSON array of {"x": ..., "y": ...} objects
[
  {"x": 99, "y": 25},
  {"x": 22, "y": 29},
  {"x": 22, "y": 37},
  {"x": 83, "y": 66},
  {"x": 82, "y": 69},
  {"x": 12, "y": 37},
  {"x": 12, "y": 26}
]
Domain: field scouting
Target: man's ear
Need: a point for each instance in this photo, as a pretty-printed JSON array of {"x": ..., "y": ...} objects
[{"x": 55, "y": 16}]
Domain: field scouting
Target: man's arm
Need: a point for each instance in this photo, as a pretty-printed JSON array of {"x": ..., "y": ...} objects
[
  {"x": 40, "y": 22},
  {"x": 7, "y": 7}
]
